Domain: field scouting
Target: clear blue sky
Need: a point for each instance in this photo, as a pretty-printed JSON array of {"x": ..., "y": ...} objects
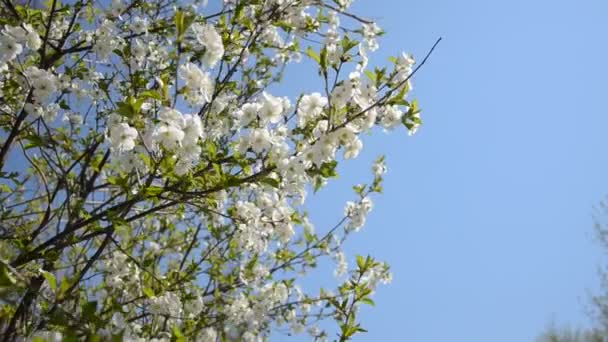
[{"x": 486, "y": 216}]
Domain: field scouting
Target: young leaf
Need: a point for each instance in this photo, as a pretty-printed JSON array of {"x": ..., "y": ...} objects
[{"x": 50, "y": 278}]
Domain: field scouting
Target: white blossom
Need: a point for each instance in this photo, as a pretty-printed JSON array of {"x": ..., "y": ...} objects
[
  {"x": 139, "y": 25},
  {"x": 207, "y": 36},
  {"x": 167, "y": 304},
  {"x": 379, "y": 168},
  {"x": 357, "y": 213},
  {"x": 122, "y": 137},
  {"x": 391, "y": 117},
  {"x": 9, "y": 48},
  {"x": 198, "y": 83},
  {"x": 310, "y": 107}
]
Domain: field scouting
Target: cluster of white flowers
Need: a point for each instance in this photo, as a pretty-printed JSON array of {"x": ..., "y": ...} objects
[
  {"x": 370, "y": 32},
  {"x": 267, "y": 109},
  {"x": 379, "y": 167},
  {"x": 140, "y": 52},
  {"x": 199, "y": 85},
  {"x": 256, "y": 276},
  {"x": 271, "y": 36},
  {"x": 107, "y": 39},
  {"x": 269, "y": 217},
  {"x": 390, "y": 116},
  {"x": 299, "y": 18},
  {"x": 355, "y": 91},
  {"x": 404, "y": 67},
  {"x": 357, "y": 213},
  {"x": 253, "y": 234},
  {"x": 43, "y": 82},
  {"x": 344, "y": 3},
  {"x": 272, "y": 108},
  {"x": 251, "y": 315},
  {"x": 117, "y": 7},
  {"x": 207, "y": 335},
  {"x": 324, "y": 149},
  {"x": 278, "y": 212},
  {"x": 332, "y": 39},
  {"x": 121, "y": 274},
  {"x": 13, "y": 38},
  {"x": 377, "y": 274},
  {"x": 189, "y": 154},
  {"x": 82, "y": 88},
  {"x": 207, "y": 37},
  {"x": 413, "y": 121},
  {"x": 258, "y": 140},
  {"x": 169, "y": 304},
  {"x": 48, "y": 112},
  {"x": 122, "y": 136},
  {"x": 175, "y": 132},
  {"x": 341, "y": 264},
  {"x": 239, "y": 312},
  {"x": 139, "y": 25},
  {"x": 310, "y": 108},
  {"x": 119, "y": 326}
]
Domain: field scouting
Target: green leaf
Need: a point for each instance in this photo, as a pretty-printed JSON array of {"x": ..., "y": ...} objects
[
  {"x": 238, "y": 11},
  {"x": 63, "y": 105},
  {"x": 125, "y": 109},
  {"x": 271, "y": 181},
  {"x": 50, "y": 278},
  {"x": 136, "y": 104},
  {"x": 177, "y": 334},
  {"x": 323, "y": 61},
  {"x": 151, "y": 94},
  {"x": 179, "y": 24},
  {"x": 65, "y": 285},
  {"x": 328, "y": 170},
  {"x": 93, "y": 338},
  {"x": 360, "y": 261},
  {"x": 359, "y": 189},
  {"x": 148, "y": 292},
  {"x": 312, "y": 54},
  {"x": 348, "y": 44},
  {"x": 6, "y": 279},
  {"x": 153, "y": 191},
  {"x": 35, "y": 141},
  {"x": 368, "y": 301},
  {"x": 210, "y": 148},
  {"x": 370, "y": 75},
  {"x": 182, "y": 22},
  {"x": 414, "y": 109},
  {"x": 89, "y": 309},
  {"x": 318, "y": 183}
]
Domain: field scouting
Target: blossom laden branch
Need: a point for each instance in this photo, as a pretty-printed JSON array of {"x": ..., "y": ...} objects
[{"x": 157, "y": 185}]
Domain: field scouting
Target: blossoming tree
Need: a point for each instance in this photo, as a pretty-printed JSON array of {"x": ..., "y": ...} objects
[{"x": 153, "y": 188}]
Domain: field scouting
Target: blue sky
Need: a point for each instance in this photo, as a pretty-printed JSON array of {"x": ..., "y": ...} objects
[{"x": 487, "y": 212}]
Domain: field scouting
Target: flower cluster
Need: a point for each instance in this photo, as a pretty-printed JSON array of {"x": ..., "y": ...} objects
[
  {"x": 13, "y": 38},
  {"x": 199, "y": 85},
  {"x": 121, "y": 275},
  {"x": 207, "y": 37},
  {"x": 357, "y": 213},
  {"x": 168, "y": 305}
]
